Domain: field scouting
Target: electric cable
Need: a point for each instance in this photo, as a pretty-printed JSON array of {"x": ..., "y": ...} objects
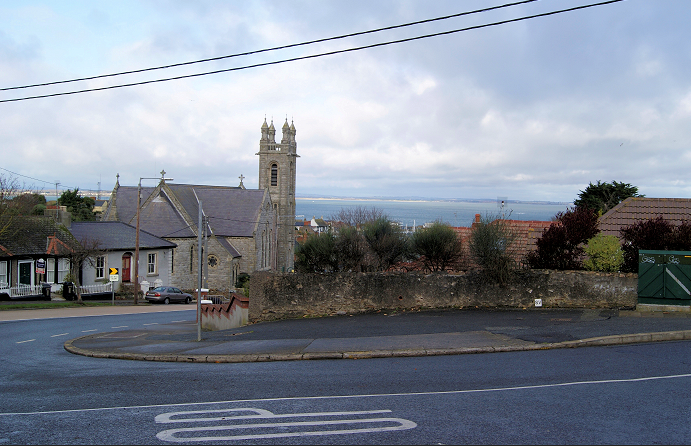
[
  {"x": 313, "y": 56},
  {"x": 265, "y": 50}
]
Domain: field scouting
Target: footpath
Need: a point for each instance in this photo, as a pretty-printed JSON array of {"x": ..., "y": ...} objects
[{"x": 388, "y": 334}]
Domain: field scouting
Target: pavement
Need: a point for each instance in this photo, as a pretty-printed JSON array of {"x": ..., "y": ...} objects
[{"x": 389, "y": 334}]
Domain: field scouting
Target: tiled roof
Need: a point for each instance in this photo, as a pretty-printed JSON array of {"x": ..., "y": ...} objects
[
  {"x": 117, "y": 236},
  {"x": 526, "y": 233},
  {"x": 633, "y": 209},
  {"x": 35, "y": 236}
]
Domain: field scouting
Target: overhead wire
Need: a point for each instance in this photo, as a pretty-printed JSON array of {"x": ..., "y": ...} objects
[
  {"x": 282, "y": 47},
  {"x": 313, "y": 56}
]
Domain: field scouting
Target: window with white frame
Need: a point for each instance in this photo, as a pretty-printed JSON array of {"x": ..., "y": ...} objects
[
  {"x": 101, "y": 267},
  {"x": 4, "y": 280},
  {"x": 63, "y": 269},
  {"x": 152, "y": 263},
  {"x": 50, "y": 270}
]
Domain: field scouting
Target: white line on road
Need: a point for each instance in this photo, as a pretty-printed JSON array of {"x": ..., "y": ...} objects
[
  {"x": 174, "y": 322},
  {"x": 153, "y": 323},
  {"x": 120, "y": 326},
  {"x": 375, "y": 395},
  {"x": 61, "y": 334},
  {"x": 182, "y": 435},
  {"x": 28, "y": 340},
  {"x": 86, "y": 331}
]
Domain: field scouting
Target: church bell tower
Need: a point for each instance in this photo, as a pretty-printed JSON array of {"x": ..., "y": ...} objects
[{"x": 277, "y": 175}]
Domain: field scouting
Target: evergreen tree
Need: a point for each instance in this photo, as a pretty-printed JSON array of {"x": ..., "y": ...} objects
[{"x": 602, "y": 197}]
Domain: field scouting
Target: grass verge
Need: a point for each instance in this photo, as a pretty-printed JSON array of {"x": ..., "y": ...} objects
[{"x": 48, "y": 305}]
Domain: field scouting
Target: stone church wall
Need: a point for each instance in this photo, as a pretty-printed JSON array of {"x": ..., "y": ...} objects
[{"x": 276, "y": 295}]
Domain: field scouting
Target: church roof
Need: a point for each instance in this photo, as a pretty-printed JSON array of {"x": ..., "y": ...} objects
[{"x": 232, "y": 211}]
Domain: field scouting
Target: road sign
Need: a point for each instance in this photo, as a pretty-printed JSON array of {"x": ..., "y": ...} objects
[
  {"x": 113, "y": 271},
  {"x": 114, "y": 276}
]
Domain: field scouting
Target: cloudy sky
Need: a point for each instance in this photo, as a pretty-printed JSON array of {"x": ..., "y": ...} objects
[{"x": 531, "y": 110}]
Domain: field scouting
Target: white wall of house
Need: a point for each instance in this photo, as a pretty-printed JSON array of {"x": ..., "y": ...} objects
[{"x": 154, "y": 265}]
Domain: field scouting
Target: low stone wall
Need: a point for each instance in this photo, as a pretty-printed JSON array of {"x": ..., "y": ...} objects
[
  {"x": 224, "y": 316},
  {"x": 286, "y": 295}
]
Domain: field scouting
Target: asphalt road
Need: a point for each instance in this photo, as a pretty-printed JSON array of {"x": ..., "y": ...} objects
[{"x": 625, "y": 394}]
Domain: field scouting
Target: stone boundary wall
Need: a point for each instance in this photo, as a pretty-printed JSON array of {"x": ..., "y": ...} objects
[
  {"x": 288, "y": 295},
  {"x": 224, "y": 316}
]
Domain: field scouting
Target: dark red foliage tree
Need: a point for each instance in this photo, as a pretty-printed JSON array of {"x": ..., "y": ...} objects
[
  {"x": 561, "y": 245},
  {"x": 654, "y": 234}
]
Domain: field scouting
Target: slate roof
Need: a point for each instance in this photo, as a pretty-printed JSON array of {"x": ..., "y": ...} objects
[
  {"x": 117, "y": 236},
  {"x": 633, "y": 209},
  {"x": 233, "y": 211},
  {"x": 35, "y": 236}
]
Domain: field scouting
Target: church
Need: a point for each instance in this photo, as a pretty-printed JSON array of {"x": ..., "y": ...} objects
[{"x": 244, "y": 230}]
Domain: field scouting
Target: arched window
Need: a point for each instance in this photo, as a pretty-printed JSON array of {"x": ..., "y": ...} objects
[
  {"x": 274, "y": 174},
  {"x": 191, "y": 257}
]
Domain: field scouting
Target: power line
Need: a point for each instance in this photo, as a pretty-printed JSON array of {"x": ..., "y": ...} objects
[
  {"x": 313, "y": 56},
  {"x": 32, "y": 178},
  {"x": 265, "y": 50}
]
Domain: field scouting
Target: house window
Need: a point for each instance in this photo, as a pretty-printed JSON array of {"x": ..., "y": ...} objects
[
  {"x": 274, "y": 174},
  {"x": 4, "y": 280},
  {"x": 152, "y": 263},
  {"x": 63, "y": 269},
  {"x": 100, "y": 267},
  {"x": 50, "y": 270}
]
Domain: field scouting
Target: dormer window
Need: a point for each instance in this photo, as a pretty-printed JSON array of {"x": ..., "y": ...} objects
[{"x": 274, "y": 174}]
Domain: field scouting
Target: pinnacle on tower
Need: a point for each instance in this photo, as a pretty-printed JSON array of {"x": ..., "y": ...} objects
[{"x": 265, "y": 131}]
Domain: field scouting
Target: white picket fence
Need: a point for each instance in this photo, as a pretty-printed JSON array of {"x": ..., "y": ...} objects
[
  {"x": 22, "y": 291},
  {"x": 97, "y": 289}
]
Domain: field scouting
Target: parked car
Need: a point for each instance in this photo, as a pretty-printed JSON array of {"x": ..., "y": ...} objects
[{"x": 167, "y": 294}]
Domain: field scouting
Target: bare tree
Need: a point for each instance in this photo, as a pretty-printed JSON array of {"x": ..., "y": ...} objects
[
  {"x": 357, "y": 216},
  {"x": 85, "y": 253},
  {"x": 9, "y": 188}
]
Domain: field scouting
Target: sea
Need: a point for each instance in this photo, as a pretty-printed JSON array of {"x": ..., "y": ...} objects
[{"x": 412, "y": 213}]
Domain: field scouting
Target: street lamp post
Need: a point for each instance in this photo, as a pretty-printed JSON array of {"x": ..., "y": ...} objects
[{"x": 136, "y": 241}]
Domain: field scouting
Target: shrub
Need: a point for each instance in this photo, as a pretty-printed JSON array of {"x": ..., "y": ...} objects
[
  {"x": 317, "y": 254},
  {"x": 561, "y": 245},
  {"x": 438, "y": 246},
  {"x": 604, "y": 254},
  {"x": 350, "y": 248},
  {"x": 386, "y": 241},
  {"x": 492, "y": 247}
]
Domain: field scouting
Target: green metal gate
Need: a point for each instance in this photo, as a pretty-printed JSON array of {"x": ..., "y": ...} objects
[{"x": 664, "y": 277}]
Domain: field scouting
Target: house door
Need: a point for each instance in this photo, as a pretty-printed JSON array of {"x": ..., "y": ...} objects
[
  {"x": 25, "y": 273},
  {"x": 126, "y": 263}
]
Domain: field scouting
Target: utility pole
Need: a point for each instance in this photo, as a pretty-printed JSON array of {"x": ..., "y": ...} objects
[
  {"x": 199, "y": 274},
  {"x": 136, "y": 242},
  {"x": 205, "y": 220}
]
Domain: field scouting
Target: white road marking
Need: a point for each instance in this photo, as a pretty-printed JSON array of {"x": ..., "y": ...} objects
[
  {"x": 28, "y": 340},
  {"x": 174, "y": 322},
  {"x": 87, "y": 331},
  {"x": 182, "y": 435},
  {"x": 153, "y": 323},
  {"x": 120, "y": 326},
  {"x": 61, "y": 334},
  {"x": 376, "y": 395}
]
